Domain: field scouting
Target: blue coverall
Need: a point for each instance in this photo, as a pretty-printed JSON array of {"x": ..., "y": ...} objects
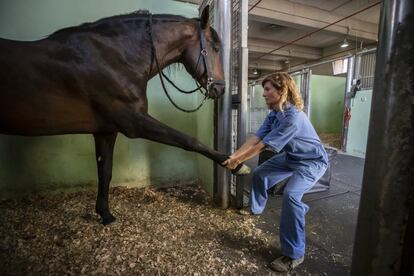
[{"x": 304, "y": 159}]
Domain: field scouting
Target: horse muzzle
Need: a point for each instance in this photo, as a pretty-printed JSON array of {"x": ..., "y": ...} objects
[{"x": 215, "y": 88}]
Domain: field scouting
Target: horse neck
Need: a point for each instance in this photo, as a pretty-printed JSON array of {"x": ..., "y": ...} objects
[{"x": 169, "y": 41}]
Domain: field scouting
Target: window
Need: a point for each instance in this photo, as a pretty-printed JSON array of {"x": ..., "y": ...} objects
[
  {"x": 367, "y": 70},
  {"x": 340, "y": 66}
]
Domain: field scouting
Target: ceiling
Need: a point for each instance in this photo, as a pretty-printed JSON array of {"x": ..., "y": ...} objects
[{"x": 274, "y": 23}]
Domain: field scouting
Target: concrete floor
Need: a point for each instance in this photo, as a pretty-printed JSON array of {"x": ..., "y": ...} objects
[{"x": 331, "y": 220}]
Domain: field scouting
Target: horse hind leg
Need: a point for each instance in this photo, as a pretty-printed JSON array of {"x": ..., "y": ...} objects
[{"x": 104, "y": 149}]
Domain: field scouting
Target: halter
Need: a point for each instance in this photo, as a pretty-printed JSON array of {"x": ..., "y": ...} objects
[{"x": 202, "y": 55}]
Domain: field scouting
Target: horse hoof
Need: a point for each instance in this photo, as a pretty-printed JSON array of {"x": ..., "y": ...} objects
[
  {"x": 241, "y": 170},
  {"x": 108, "y": 220}
]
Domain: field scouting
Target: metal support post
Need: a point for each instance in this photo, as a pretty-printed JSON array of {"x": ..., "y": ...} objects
[
  {"x": 242, "y": 93},
  {"x": 384, "y": 234},
  {"x": 222, "y": 113}
]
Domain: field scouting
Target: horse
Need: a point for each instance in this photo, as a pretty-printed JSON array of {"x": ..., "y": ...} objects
[{"x": 92, "y": 79}]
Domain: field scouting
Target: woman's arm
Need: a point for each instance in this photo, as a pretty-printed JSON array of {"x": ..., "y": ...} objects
[
  {"x": 248, "y": 144},
  {"x": 249, "y": 149}
]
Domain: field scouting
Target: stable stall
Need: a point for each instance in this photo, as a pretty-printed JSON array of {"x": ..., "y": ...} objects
[{"x": 177, "y": 207}]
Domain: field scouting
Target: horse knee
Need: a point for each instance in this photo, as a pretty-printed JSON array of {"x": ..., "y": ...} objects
[
  {"x": 190, "y": 144},
  {"x": 130, "y": 124},
  {"x": 130, "y": 132}
]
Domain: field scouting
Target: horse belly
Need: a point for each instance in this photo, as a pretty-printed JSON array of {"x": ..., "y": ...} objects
[
  {"x": 50, "y": 116},
  {"x": 39, "y": 96}
]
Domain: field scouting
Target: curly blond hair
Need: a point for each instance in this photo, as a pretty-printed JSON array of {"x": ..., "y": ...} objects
[{"x": 286, "y": 86}]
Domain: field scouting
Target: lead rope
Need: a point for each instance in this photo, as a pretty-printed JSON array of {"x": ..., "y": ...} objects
[{"x": 160, "y": 73}]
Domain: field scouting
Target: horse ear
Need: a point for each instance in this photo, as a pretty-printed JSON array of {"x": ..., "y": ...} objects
[{"x": 205, "y": 17}]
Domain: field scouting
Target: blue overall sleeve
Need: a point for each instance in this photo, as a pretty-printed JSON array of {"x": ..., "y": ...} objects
[
  {"x": 264, "y": 128},
  {"x": 281, "y": 135}
]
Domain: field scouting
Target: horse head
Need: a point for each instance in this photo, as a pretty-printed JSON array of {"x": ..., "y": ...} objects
[{"x": 202, "y": 58}]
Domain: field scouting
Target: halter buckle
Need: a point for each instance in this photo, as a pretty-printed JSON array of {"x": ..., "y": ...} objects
[
  {"x": 209, "y": 82},
  {"x": 204, "y": 52}
]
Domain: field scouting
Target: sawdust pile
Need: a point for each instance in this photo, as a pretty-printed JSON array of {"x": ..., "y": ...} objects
[{"x": 172, "y": 231}]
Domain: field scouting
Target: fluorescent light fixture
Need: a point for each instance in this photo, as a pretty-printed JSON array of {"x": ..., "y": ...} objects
[{"x": 344, "y": 43}]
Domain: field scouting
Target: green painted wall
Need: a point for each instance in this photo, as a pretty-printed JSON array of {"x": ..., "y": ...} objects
[
  {"x": 327, "y": 103},
  {"x": 67, "y": 162},
  {"x": 205, "y": 134},
  {"x": 359, "y": 123}
]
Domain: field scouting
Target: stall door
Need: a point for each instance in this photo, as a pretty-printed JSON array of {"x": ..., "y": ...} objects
[{"x": 359, "y": 123}]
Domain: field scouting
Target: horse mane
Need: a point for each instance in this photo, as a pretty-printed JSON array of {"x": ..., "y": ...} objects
[
  {"x": 102, "y": 26},
  {"x": 106, "y": 21}
]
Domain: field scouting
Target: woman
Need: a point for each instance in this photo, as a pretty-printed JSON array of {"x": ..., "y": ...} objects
[{"x": 287, "y": 131}]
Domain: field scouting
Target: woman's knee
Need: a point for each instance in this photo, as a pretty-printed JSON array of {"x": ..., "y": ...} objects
[
  {"x": 257, "y": 174},
  {"x": 291, "y": 197},
  {"x": 261, "y": 177},
  {"x": 259, "y": 180}
]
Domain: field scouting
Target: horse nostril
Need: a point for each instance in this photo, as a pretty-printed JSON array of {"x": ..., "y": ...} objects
[{"x": 216, "y": 90}]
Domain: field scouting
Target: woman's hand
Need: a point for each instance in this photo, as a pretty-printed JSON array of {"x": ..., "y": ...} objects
[{"x": 231, "y": 163}]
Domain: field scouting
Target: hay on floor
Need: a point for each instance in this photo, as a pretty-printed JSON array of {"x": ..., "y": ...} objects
[{"x": 170, "y": 231}]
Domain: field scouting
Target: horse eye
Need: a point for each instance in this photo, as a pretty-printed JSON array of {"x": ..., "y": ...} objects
[{"x": 216, "y": 49}]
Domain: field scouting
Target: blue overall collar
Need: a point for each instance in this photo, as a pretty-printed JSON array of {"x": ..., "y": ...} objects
[{"x": 280, "y": 114}]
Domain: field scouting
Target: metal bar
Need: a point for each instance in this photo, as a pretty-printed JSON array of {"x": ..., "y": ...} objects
[
  {"x": 347, "y": 101},
  {"x": 327, "y": 196},
  {"x": 381, "y": 246},
  {"x": 252, "y": 88},
  {"x": 306, "y": 90},
  {"x": 309, "y": 65},
  {"x": 242, "y": 92},
  {"x": 222, "y": 135},
  {"x": 357, "y": 67}
]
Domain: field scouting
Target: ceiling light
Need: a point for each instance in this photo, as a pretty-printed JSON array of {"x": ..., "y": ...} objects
[
  {"x": 344, "y": 43},
  {"x": 274, "y": 26},
  {"x": 255, "y": 72}
]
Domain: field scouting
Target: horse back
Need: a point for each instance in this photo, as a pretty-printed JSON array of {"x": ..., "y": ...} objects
[{"x": 45, "y": 89}]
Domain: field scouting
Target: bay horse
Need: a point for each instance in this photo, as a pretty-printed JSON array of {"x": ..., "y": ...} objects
[{"x": 92, "y": 79}]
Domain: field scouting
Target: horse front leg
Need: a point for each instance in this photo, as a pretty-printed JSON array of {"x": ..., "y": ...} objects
[
  {"x": 144, "y": 126},
  {"x": 104, "y": 149}
]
